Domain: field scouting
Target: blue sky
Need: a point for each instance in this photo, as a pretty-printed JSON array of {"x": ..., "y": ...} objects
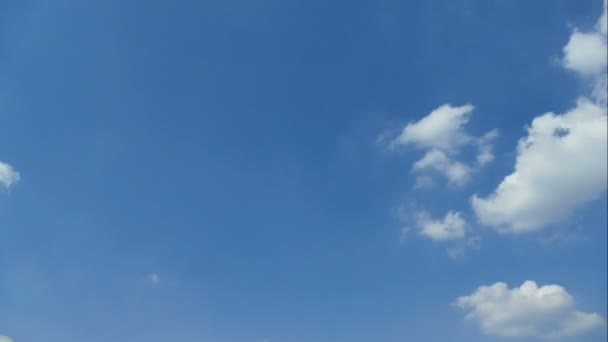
[{"x": 227, "y": 171}]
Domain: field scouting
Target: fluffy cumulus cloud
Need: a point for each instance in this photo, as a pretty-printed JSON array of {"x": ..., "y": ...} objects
[
  {"x": 527, "y": 311},
  {"x": 451, "y": 231},
  {"x": 562, "y": 162},
  {"x": 8, "y": 176},
  {"x": 587, "y": 54},
  {"x": 452, "y": 226},
  {"x": 442, "y": 134},
  {"x": 443, "y": 128},
  {"x": 456, "y": 172},
  {"x": 5, "y": 339}
]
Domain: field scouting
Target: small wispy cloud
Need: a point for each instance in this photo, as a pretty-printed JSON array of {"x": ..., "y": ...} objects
[
  {"x": 152, "y": 278},
  {"x": 424, "y": 182},
  {"x": 8, "y": 177},
  {"x": 451, "y": 231}
]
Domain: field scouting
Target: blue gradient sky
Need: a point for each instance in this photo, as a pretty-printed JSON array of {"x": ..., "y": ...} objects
[{"x": 231, "y": 148}]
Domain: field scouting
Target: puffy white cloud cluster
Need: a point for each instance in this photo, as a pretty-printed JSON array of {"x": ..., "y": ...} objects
[
  {"x": 527, "y": 311},
  {"x": 5, "y": 339},
  {"x": 452, "y": 226},
  {"x": 442, "y": 134},
  {"x": 562, "y": 163}
]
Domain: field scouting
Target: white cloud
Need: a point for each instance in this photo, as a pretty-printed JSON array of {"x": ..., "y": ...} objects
[
  {"x": 441, "y": 129},
  {"x": 459, "y": 248},
  {"x": 587, "y": 54},
  {"x": 5, "y": 339},
  {"x": 560, "y": 165},
  {"x": 450, "y": 231},
  {"x": 577, "y": 323},
  {"x": 527, "y": 311},
  {"x": 456, "y": 172},
  {"x": 602, "y": 23},
  {"x": 485, "y": 154},
  {"x": 451, "y": 227},
  {"x": 442, "y": 135},
  {"x": 8, "y": 176},
  {"x": 599, "y": 91}
]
